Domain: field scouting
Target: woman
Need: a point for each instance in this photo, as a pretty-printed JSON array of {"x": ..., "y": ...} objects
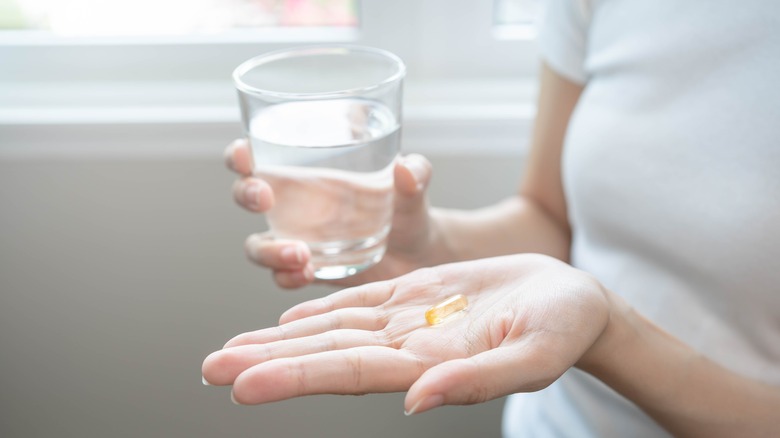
[{"x": 634, "y": 276}]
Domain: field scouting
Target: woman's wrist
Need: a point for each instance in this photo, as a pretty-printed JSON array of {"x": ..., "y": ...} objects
[
  {"x": 442, "y": 234},
  {"x": 619, "y": 331}
]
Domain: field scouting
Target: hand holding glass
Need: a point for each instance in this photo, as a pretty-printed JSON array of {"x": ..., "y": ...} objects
[{"x": 324, "y": 128}]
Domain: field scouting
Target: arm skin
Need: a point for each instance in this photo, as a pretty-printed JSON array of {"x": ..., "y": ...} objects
[
  {"x": 535, "y": 219},
  {"x": 381, "y": 345},
  {"x": 683, "y": 391},
  {"x": 686, "y": 393}
]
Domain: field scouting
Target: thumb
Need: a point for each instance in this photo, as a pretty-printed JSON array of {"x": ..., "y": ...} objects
[
  {"x": 410, "y": 213},
  {"x": 485, "y": 376},
  {"x": 412, "y": 175}
]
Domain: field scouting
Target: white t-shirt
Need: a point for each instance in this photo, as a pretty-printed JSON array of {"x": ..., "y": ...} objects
[{"x": 671, "y": 169}]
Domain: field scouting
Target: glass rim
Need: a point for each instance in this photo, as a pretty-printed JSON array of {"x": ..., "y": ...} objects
[{"x": 298, "y": 51}]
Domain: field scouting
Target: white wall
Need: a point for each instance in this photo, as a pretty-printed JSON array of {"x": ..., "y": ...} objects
[{"x": 118, "y": 275}]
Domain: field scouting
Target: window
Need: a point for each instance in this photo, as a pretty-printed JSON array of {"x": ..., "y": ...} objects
[
  {"x": 81, "y": 62},
  {"x": 516, "y": 19},
  {"x": 437, "y": 38},
  {"x": 92, "y": 21},
  {"x": 170, "y": 17}
]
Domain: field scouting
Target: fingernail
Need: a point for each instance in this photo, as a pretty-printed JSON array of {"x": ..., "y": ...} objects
[
  {"x": 252, "y": 196},
  {"x": 417, "y": 169},
  {"x": 233, "y": 399},
  {"x": 428, "y": 403},
  {"x": 292, "y": 254},
  {"x": 308, "y": 273},
  {"x": 205, "y": 382}
]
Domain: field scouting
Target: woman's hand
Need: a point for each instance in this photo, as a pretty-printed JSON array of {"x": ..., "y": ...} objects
[
  {"x": 412, "y": 243},
  {"x": 529, "y": 319}
]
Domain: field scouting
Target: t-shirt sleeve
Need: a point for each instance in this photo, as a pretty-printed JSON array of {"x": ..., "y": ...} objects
[{"x": 563, "y": 28}]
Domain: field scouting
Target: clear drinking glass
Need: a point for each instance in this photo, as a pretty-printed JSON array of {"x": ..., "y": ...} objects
[{"x": 324, "y": 123}]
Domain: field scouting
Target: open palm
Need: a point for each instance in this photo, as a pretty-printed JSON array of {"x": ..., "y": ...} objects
[{"x": 530, "y": 318}]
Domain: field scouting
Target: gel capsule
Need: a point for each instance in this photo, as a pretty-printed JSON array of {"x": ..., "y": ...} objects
[{"x": 440, "y": 312}]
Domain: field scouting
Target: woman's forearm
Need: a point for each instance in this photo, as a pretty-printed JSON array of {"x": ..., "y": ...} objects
[
  {"x": 685, "y": 392},
  {"x": 515, "y": 225},
  {"x": 534, "y": 220}
]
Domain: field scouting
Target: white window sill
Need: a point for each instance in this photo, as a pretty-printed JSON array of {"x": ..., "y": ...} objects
[{"x": 132, "y": 120}]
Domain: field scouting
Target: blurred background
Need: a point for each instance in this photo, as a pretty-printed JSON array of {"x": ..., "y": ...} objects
[{"x": 121, "y": 250}]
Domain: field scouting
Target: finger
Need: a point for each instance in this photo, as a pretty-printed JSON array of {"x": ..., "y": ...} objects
[
  {"x": 358, "y": 370},
  {"x": 223, "y": 366},
  {"x": 265, "y": 250},
  {"x": 412, "y": 175},
  {"x": 368, "y": 295},
  {"x": 351, "y": 318},
  {"x": 410, "y": 215},
  {"x": 294, "y": 279},
  {"x": 238, "y": 157},
  {"x": 485, "y": 376},
  {"x": 253, "y": 194}
]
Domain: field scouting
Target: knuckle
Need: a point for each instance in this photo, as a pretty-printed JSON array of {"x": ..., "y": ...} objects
[
  {"x": 285, "y": 280},
  {"x": 383, "y": 339},
  {"x": 480, "y": 395},
  {"x": 336, "y": 319},
  {"x": 381, "y": 317},
  {"x": 329, "y": 342},
  {"x": 281, "y": 333},
  {"x": 297, "y": 371},
  {"x": 327, "y": 304},
  {"x": 355, "y": 363}
]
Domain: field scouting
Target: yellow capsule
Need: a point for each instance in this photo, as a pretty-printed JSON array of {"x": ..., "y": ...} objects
[{"x": 441, "y": 312}]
